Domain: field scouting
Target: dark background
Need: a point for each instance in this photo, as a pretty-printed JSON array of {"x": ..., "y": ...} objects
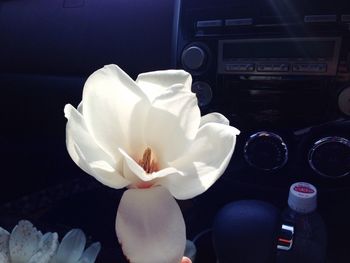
[{"x": 47, "y": 50}]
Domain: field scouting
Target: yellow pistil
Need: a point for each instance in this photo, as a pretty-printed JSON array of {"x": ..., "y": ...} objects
[{"x": 147, "y": 163}]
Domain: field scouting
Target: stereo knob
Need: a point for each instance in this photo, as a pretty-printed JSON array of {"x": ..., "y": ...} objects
[
  {"x": 344, "y": 101},
  {"x": 193, "y": 57},
  {"x": 203, "y": 92},
  {"x": 266, "y": 151},
  {"x": 330, "y": 157}
]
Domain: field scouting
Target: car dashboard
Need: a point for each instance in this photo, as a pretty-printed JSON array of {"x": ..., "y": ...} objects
[
  {"x": 278, "y": 70},
  {"x": 265, "y": 65}
]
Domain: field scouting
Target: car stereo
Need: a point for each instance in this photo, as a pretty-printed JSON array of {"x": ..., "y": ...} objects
[
  {"x": 266, "y": 61},
  {"x": 276, "y": 56}
]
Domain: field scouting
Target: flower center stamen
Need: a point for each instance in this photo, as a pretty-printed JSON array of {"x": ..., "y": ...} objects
[{"x": 147, "y": 163}]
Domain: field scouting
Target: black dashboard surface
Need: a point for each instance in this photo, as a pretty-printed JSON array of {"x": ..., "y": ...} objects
[{"x": 48, "y": 49}]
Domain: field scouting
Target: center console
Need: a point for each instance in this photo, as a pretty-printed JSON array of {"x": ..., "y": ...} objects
[{"x": 280, "y": 72}]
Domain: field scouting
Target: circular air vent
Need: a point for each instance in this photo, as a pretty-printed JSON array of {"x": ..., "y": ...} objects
[
  {"x": 330, "y": 157},
  {"x": 266, "y": 151}
]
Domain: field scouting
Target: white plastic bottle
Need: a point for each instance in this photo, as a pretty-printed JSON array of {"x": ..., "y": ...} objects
[{"x": 309, "y": 241}]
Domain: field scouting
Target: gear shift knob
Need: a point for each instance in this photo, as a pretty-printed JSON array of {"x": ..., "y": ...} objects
[{"x": 246, "y": 231}]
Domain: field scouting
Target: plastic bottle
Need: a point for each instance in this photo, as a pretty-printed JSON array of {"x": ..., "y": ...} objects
[{"x": 309, "y": 240}]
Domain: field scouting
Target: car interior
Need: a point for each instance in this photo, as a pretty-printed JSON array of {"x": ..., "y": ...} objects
[{"x": 279, "y": 70}]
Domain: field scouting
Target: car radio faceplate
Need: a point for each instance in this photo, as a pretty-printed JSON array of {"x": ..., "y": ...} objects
[
  {"x": 273, "y": 55},
  {"x": 279, "y": 56}
]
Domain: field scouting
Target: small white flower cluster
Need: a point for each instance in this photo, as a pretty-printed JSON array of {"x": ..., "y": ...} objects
[{"x": 25, "y": 244}]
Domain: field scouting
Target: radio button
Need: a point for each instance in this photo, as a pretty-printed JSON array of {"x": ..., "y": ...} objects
[
  {"x": 297, "y": 68},
  {"x": 310, "y": 67},
  {"x": 322, "y": 67},
  {"x": 280, "y": 68},
  {"x": 276, "y": 67},
  {"x": 231, "y": 67},
  {"x": 264, "y": 67},
  {"x": 260, "y": 68},
  {"x": 250, "y": 67},
  {"x": 320, "y": 18},
  {"x": 345, "y": 18},
  {"x": 239, "y": 67},
  {"x": 239, "y": 22},
  {"x": 284, "y": 67},
  {"x": 209, "y": 23},
  {"x": 315, "y": 68}
]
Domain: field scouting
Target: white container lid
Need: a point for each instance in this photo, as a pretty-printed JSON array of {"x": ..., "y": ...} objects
[{"x": 302, "y": 197}]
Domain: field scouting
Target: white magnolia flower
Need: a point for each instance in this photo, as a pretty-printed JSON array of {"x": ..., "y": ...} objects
[
  {"x": 26, "y": 244},
  {"x": 148, "y": 135}
]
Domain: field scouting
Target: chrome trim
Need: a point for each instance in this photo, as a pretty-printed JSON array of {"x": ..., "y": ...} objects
[
  {"x": 266, "y": 134},
  {"x": 321, "y": 142}
]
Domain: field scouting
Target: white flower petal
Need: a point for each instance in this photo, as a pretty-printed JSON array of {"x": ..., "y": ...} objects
[
  {"x": 114, "y": 108},
  {"x": 214, "y": 117},
  {"x": 71, "y": 248},
  {"x": 47, "y": 248},
  {"x": 149, "y": 181},
  {"x": 150, "y": 226},
  {"x": 204, "y": 162},
  {"x": 155, "y": 82},
  {"x": 4, "y": 245},
  {"x": 131, "y": 176},
  {"x": 172, "y": 123},
  {"x": 87, "y": 154},
  {"x": 24, "y": 241},
  {"x": 91, "y": 253},
  {"x": 80, "y": 108},
  {"x": 166, "y": 172},
  {"x": 134, "y": 167},
  {"x": 135, "y": 173}
]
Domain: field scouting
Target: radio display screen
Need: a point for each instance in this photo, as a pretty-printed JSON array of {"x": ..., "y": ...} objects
[{"x": 306, "y": 49}]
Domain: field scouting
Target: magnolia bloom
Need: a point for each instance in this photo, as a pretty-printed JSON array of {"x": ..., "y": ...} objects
[
  {"x": 148, "y": 135},
  {"x": 26, "y": 244}
]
